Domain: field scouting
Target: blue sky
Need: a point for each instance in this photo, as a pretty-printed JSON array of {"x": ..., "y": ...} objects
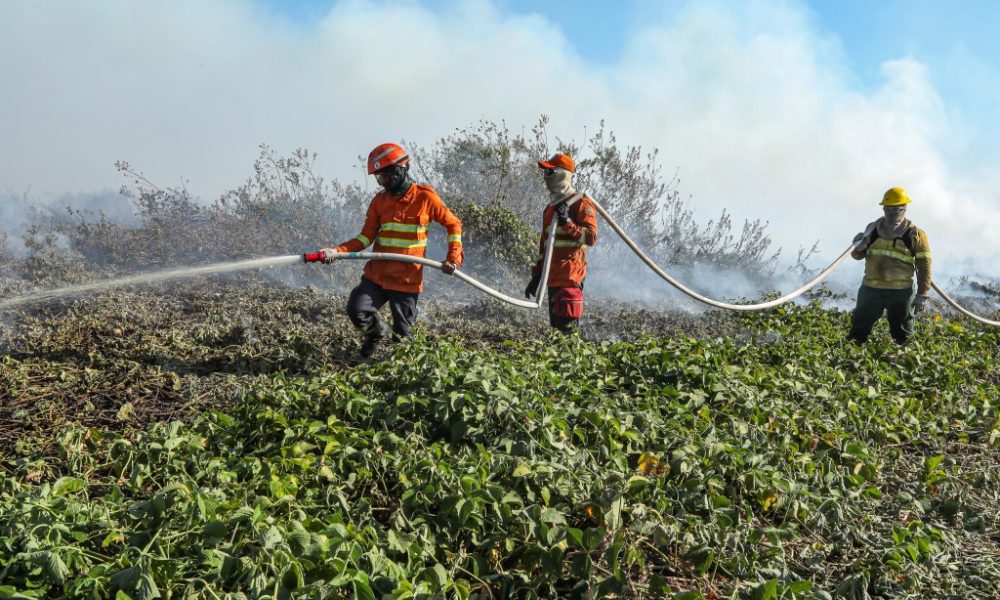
[
  {"x": 957, "y": 40},
  {"x": 782, "y": 110}
]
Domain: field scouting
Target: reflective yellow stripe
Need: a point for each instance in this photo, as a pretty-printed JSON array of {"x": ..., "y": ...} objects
[
  {"x": 923, "y": 255},
  {"x": 582, "y": 237},
  {"x": 891, "y": 254},
  {"x": 404, "y": 227},
  {"x": 364, "y": 241},
  {"x": 568, "y": 244},
  {"x": 398, "y": 243},
  {"x": 455, "y": 237}
]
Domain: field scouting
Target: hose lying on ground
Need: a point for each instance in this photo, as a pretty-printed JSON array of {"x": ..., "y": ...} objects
[{"x": 962, "y": 309}]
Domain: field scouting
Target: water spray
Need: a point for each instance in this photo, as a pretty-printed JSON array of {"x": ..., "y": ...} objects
[{"x": 182, "y": 273}]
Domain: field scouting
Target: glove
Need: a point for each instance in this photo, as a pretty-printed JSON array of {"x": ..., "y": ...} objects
[
  {"x": 529, "y": 291},
  {"x": 919, "y": 303},
  {"x": 858, "y": 239},
  {"x": 329, "y": 255},
  {"x": 448, "y": 267},
  {"x": 562, "y": 213}
]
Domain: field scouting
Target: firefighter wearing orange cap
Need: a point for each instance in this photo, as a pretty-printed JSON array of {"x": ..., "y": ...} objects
[
  {"x": 397, "y": 222},
  {"x": 571, "y": 217}
]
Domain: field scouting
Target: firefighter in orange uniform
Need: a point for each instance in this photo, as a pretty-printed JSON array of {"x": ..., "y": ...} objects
[
  {"x": 397, "y": 222},
  {"x": 575, "y": 224}
]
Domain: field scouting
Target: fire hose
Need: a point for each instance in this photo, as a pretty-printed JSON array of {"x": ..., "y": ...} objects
[
  {"x": 962, "y": 309},
  {"x": 539, "y": 292},
  {"x": 741, "y": 307},
  {"x": 319, "y": 256}
]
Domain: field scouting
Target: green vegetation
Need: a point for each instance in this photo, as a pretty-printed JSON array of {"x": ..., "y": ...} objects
[
  {"x": 220, "y": 440},
  {"x": 774, "y": 462}
]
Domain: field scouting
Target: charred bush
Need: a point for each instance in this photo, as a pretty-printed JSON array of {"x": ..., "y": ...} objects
[
  {"x": 488, "y": 173},
  {"x": 496, "y": 241},
  {"x": 490, "y": 166}
]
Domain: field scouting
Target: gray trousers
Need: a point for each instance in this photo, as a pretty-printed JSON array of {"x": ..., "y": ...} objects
[
  {"x": 368, "y": 297},
  {"x": 872, "y": 303}
]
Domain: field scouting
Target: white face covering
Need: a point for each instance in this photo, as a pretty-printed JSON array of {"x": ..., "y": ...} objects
[
  {"x": 559, "y": 182},
  {"x": 894, "y": 223},
  {"x": 894, "y": 215}
]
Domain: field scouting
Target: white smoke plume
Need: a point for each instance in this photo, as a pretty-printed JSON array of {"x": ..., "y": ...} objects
[{"x": 754, "y": 105}]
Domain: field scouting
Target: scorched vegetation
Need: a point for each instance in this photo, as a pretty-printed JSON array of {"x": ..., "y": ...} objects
[{"x": 219, "y": 439}]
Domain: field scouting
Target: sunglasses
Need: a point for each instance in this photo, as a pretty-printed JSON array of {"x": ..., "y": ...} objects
[{"x": 550, "y": 172}]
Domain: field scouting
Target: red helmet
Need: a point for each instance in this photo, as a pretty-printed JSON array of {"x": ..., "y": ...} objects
[{"x": 386, "y": 155}]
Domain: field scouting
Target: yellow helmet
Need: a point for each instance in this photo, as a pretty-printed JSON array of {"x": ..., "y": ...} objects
[{"x": 895, "y": 197}]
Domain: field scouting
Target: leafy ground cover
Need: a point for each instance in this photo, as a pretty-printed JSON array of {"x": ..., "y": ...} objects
[{"x": 223, "y": 443}]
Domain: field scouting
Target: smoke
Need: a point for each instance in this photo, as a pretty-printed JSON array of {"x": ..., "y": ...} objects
[
  {"x": 755, "y": 105},
  {"x": 19, "y": 211}
]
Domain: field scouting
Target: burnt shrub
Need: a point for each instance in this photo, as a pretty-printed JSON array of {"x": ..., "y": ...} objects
[
  {"x": 488, "y": 174},
  {"x": 490, "y": 166},
  {"x": 497, "y": 243}
]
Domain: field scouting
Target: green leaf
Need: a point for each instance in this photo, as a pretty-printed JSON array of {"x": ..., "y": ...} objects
[
  {"x": 462, "y": 589},
  {"x": 146, "y": 590},
  {"x": 658, "y": 586},
  {"x": 551, "y": 515},
  {"x": 215, "y": 529},
  {"x": 52, "y": 565},
  {"x": 766, "y": 591},
  {"x": 126, "y": 579},
  {"x": 440, "y": 575},
  {"x": 931, "y": 463},
  {"x": 67, "y": 485},
  {"x": 800, "y": 587},
  {"x": 362, "y": 589},
  {"x": 614, "y": 515}
]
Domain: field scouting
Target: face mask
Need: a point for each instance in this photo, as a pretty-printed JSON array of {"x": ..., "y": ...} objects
[
  {"x": 392, "y": 179},
  {"x": 894, "y": 215},
  {"x": 559, "y": 182}
]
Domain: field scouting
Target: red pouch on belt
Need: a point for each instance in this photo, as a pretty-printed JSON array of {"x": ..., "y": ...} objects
[{"x": 567, "y": 302}]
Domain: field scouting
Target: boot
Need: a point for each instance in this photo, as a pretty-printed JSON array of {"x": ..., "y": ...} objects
[{"x": 376, "y": 332}]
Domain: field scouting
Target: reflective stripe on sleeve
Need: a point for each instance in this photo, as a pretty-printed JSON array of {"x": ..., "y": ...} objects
[{"x": 455, "y": 238}]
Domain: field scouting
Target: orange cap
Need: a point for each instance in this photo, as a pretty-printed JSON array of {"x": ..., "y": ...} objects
[{"x": 558, "y": 160}]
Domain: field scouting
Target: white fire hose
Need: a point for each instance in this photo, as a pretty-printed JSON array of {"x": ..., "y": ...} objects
[{"x": 539, "y": 293}]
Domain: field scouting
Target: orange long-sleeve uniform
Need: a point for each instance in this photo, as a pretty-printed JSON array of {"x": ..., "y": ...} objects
[
  {"x": 398, "y": 224},
  {"x": 569, "y": 254}
]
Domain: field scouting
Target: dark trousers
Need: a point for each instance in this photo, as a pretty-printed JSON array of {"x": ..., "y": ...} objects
[
  {"x": 872, "y": 302},
  {"x": 368, "y": 297},
  {"x": 564, "y": 324}
]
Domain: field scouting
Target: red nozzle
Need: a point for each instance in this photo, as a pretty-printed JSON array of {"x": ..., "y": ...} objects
[{"x": 313, "y": 256}]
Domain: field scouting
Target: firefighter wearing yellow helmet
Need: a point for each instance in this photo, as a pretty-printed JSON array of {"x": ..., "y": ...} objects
[{"x": 894, "y": 250}]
